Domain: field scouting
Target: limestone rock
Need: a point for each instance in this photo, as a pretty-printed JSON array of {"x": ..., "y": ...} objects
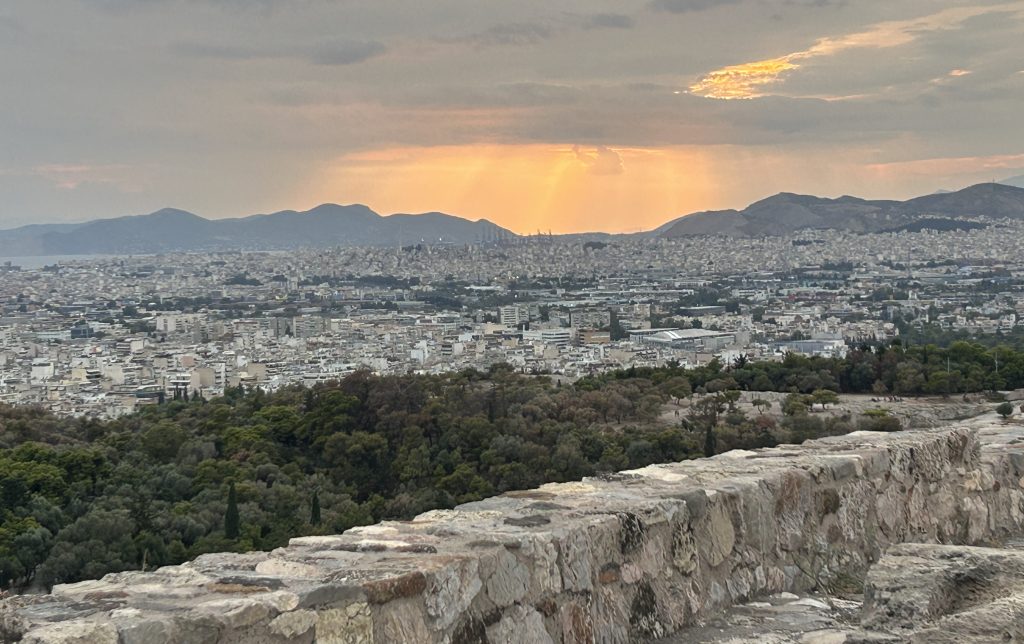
[{"x": 352, "y": 624}]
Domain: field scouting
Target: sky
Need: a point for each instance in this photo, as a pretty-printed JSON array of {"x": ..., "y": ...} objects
[{"x": 560, "y": 115}]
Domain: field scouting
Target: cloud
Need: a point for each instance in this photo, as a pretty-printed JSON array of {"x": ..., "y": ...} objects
[
  {"x": 346, "y": 53},
  {"x": 67, "y": 176},
  {"x": 511, "y": 33},
  {"x": 342, "y": 52},
  {"x": 750, "y": 80},
  {"x": 603, "y": 160},
  {"x": 535, "y": 32},
  {"x": 221, "y": 51},
  {"x": 687, "y": 6},
  {"x": 947, "y": 166},
  {"x": 608, "y": 21}
]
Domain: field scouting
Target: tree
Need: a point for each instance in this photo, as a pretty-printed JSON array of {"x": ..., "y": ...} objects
[
  {"x": 761, "y": 404},
  {"x": 678, "y": 388},
  {"x": 232, "y": 522},
  {"x": 314, "y": 509},
  {"x": 730, "y": 397},
  {"x": 825, "y": 397},
  {"x": 1005, "y": 410},
  {"x": 710, "y": 441},
  {"x": 794, "y": 405}
]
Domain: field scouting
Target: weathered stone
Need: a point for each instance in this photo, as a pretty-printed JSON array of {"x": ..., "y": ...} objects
[
  {"x": 451, "y": 590},
  {"x": 932, "y": 593},
  {"x": 151, "y": 631},
  {"x": 684, "y": 549},
  {"x": 509, "y": 582},
  {"x": 577, "y": 624},
  {"x": 382, "y": 591},
  {"x": 631, "y": 573},
  {"x": 352, "y": 624},
  {"x": 294, "y": 623},
  {"x": 609, "y": 574},
  {"x": 284, "y": 568},
  {"x": 235, "y": 614},
  {"x": 715, "y": 534},
  {"x": 574, "y": 560},
  {"x": 73, "y": 633},
  {"x": 632, "y": 530},
  {"x": 521, "y": 625},
  {"x": 644, "y": 614},
  {"x": 403, "y": 621},
  {"x": 532, "y": 521}
]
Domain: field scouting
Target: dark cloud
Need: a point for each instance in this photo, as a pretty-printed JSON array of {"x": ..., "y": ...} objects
[
  {"x": 222, "y": 51},
  {"x": 327, "y": 53},
  {"x": 346, "y": 53},
  {"x": 608, "y": 21},
  {"x": 686, "y": 6},
  {"x": 512, "y": 33},
  {"x": 602, "y": 161},
  {"x": 539, "y": 31}
]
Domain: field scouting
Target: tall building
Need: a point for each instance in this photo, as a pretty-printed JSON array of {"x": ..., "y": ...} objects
[{"x": 512, "y": 316}]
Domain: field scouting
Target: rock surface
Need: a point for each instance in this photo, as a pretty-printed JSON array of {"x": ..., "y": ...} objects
[
  {"x": 628, "y": 557},
  {"x": 934, "y": 593}
]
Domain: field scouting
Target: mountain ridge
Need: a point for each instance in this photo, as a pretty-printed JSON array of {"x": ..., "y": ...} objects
[
  {"x": 173, "y": 229},
  {"x": 329, "y": 224},
  {"x": 786, "y": 213}
]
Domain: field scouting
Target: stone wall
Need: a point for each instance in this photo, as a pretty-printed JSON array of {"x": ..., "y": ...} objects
[{"x": 622, "y": 558}]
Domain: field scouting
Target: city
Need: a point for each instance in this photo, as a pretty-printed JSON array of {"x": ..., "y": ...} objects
[{"x": 100, "y": 337}]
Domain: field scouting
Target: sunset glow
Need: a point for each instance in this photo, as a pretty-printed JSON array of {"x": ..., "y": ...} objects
[
  {"x": 527, "y": 187},
  {"x": 749, "y": 80}
]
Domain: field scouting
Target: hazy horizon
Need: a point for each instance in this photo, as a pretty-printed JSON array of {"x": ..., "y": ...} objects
[{"x": 468, "y": 217}]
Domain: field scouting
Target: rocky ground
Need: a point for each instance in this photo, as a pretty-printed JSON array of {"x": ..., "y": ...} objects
[
  {"x": 914, "y": 413},
  {"x": 780, "y": 619}
]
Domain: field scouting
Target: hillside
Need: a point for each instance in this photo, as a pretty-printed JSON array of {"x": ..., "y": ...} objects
[
  {"x": 176, "y": 230},
  {"x": 787, "y": 213}
]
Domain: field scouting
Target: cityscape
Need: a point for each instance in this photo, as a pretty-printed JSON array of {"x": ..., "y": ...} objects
[{"x": 101, "y": 337}]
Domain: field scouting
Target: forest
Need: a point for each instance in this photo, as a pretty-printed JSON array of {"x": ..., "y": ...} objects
[{"x": 249, "y": 470}]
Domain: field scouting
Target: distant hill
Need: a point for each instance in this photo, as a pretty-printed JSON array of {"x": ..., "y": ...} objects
[
  {"x": 176, "y": 230},
  {"x": 787, "y": 213}
]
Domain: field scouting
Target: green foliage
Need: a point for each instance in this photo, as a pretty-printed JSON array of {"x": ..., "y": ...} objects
[
  {"x": 795, "y": 405},
  {"x": 232, "y": 522},
  {"x": 825, "y": 397},
  {"x": 314, "y": 509},
  {"x": 1005, "y": 409},
  {"x": 79, "y": 498}
]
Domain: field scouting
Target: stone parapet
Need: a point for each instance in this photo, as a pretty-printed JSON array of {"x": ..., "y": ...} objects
[{"x": 620, "y": 558}]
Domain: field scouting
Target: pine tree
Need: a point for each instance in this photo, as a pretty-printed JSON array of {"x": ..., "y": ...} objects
[
  {"x": 231, "y": 519},
  {"x": 710, "y": 441},
  {"x": 314, "y": 509}
]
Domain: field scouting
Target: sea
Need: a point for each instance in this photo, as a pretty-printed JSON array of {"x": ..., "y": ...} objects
[{"x": 39, "y": 261}]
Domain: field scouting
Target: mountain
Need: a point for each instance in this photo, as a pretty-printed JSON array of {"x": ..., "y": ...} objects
[
  {"x": 176, "y": 230},
  {"x": 787, "y": 213}
]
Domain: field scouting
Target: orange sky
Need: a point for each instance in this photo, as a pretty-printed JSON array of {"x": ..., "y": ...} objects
[{"x": 526, "y": 188}]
